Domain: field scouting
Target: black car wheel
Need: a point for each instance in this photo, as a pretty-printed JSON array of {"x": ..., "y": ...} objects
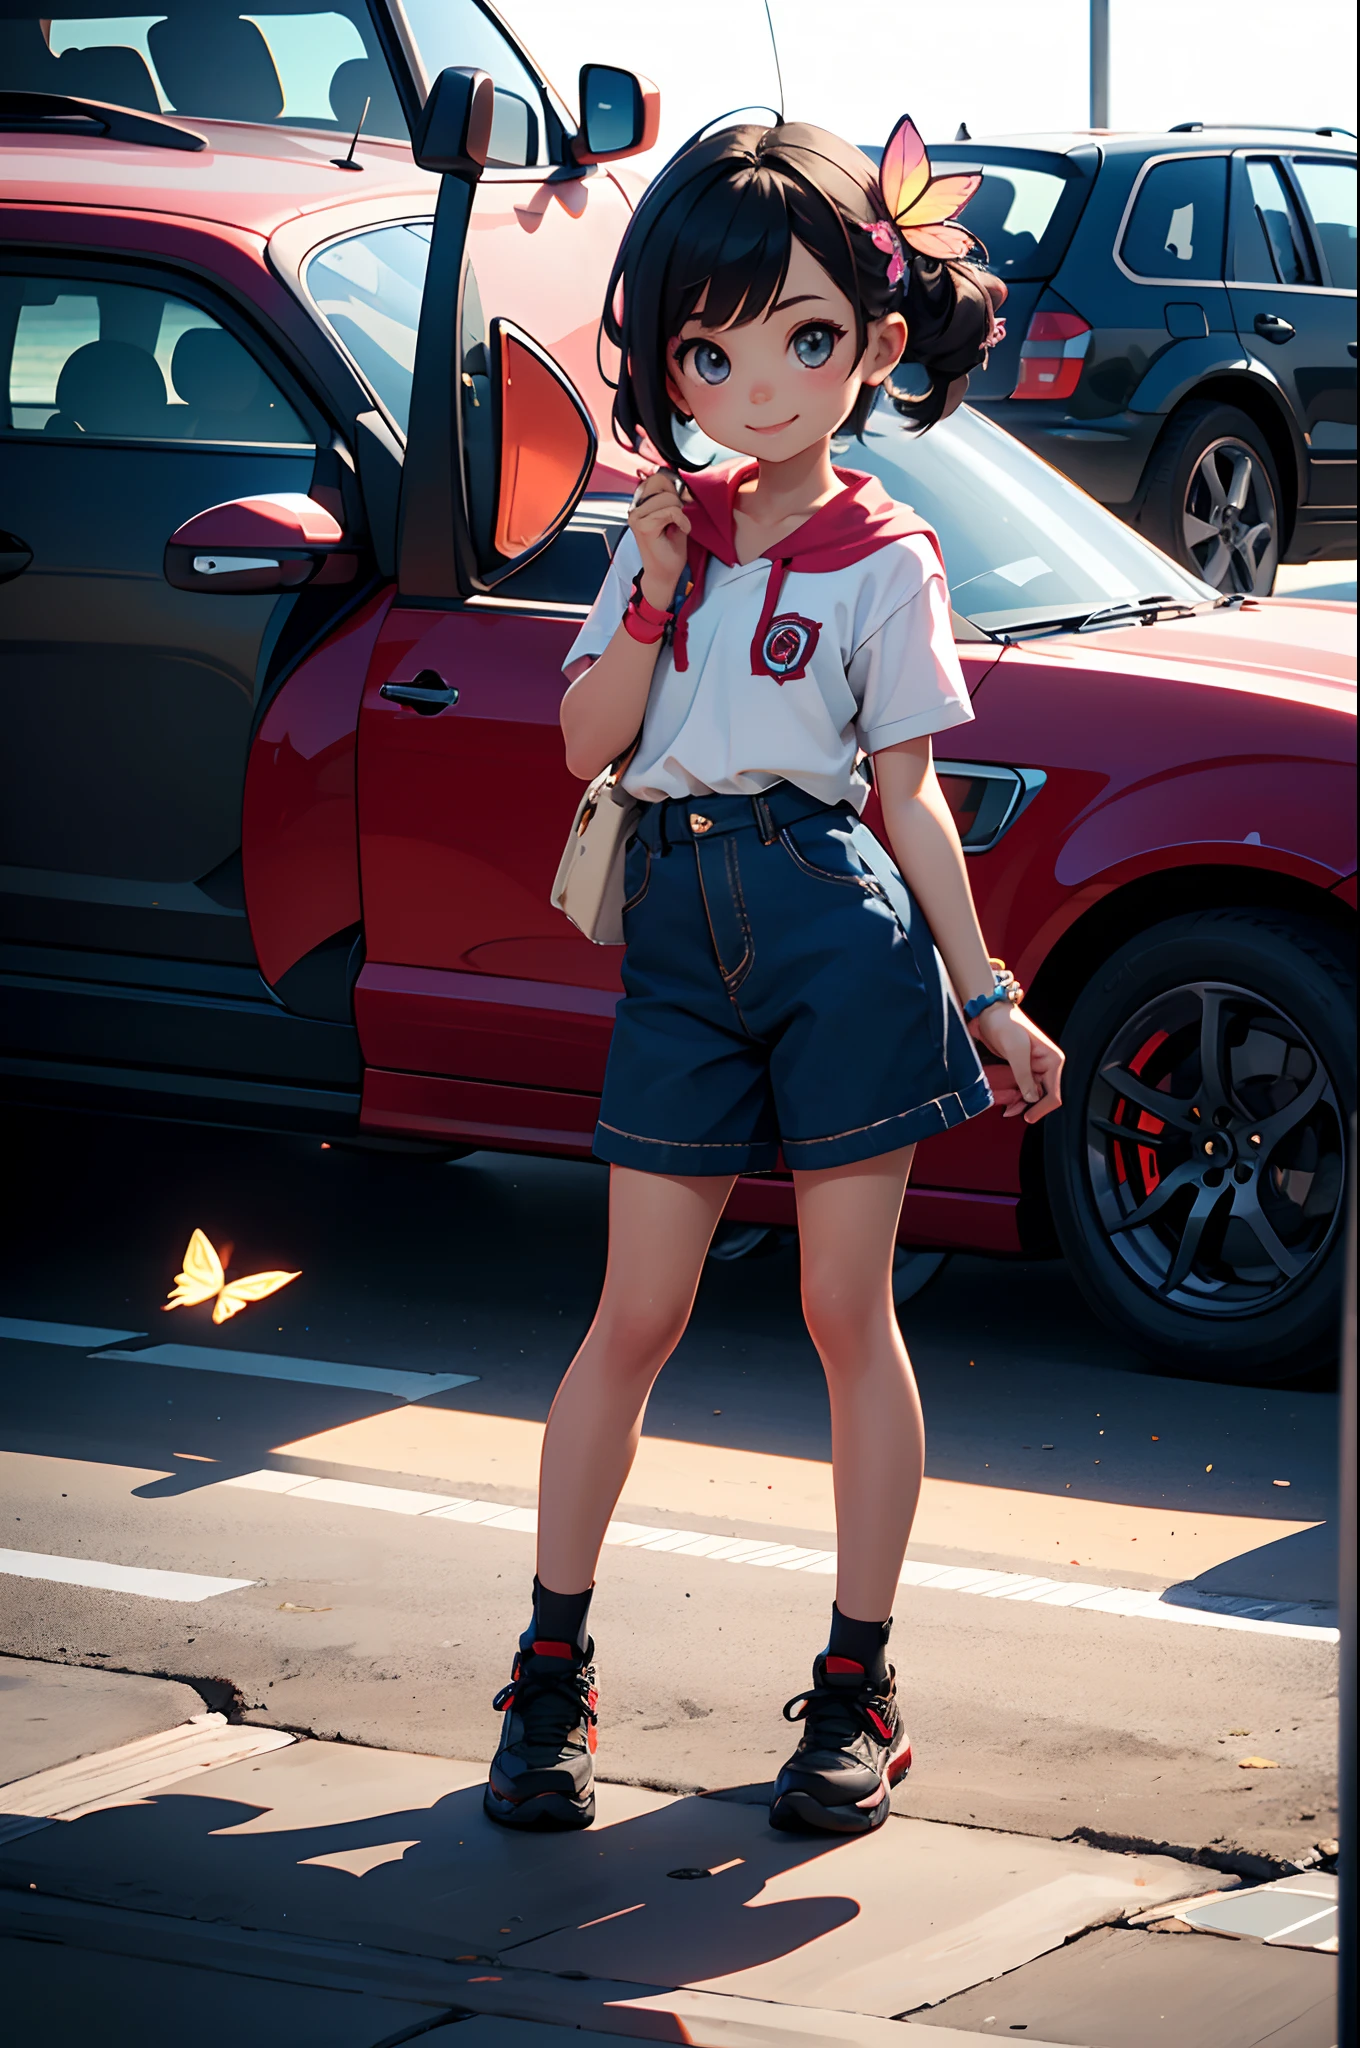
[
  {"x": 1198, "y": 1173},
  {"x": 1213, "y": 499}
]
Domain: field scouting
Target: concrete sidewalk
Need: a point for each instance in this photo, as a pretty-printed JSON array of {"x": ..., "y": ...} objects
[{"x": 190, "y": 1878}]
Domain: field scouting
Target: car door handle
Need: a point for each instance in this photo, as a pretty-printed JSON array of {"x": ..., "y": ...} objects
[
  {"x": 428, "y": 694},
  {"x": 1271, "y": 327},
  {"x": 15, "y": 556}
]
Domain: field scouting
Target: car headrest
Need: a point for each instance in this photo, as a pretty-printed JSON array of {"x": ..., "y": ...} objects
[
  {"x": 110, "y": 387},
  {"x": 352, "y": 84},
  {"x": 216, "y": 65},
  {"x": 212, "y": 372},
  {"x": 112, "y": 73}
]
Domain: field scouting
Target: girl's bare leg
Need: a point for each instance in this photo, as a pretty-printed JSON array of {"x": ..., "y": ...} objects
[
  {"x": 660, "y": 1227},
  {"x": 847, "y": 1223}
]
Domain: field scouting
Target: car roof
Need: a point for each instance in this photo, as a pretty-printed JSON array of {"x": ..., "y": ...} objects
[
  {"x": 248, "y": 177},
  {"x": 1165, "y": 141}
]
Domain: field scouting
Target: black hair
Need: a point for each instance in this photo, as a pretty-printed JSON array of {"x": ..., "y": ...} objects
[{"x": 718, "y": 226}]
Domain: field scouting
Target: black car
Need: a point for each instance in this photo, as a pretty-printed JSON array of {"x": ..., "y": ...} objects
[{"x": 1181, "y": 331}]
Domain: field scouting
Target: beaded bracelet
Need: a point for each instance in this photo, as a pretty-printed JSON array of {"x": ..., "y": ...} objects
[{"x": 1005, "y": 989}]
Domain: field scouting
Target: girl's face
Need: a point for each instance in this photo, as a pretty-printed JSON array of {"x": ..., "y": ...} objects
[{"x": 778, "y": 384}]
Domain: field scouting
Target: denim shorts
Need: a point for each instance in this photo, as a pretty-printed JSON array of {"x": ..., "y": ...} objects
[{"x": 782, "y": 994}]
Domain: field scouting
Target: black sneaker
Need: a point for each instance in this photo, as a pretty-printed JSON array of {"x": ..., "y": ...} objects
[
  {"x": 852, "y": 1750},
  {"x": 543, "y": 1773}
]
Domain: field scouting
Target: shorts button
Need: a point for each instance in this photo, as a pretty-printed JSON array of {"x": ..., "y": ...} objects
[{"x": 699, "y": 823}]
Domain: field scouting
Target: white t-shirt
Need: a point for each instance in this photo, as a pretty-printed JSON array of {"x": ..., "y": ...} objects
[{"x": 867, "y": 658}]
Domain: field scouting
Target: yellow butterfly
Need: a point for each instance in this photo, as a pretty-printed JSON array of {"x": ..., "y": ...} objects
[{"x": 203, "y": 1279}]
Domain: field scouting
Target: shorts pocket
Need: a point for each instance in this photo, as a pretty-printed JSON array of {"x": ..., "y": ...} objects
[
  {"x": 637, "y": 873},
  {"x": 827, "y": 857}
]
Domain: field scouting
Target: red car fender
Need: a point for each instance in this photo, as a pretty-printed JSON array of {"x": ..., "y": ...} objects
[{"x": 299, "y": 828}]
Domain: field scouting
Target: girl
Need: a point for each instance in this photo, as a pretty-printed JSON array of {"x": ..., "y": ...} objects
[{"x": 767, "y": 628}]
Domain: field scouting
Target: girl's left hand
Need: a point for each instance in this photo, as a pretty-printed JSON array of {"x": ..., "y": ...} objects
[{"x": 1033, "y": 1058}]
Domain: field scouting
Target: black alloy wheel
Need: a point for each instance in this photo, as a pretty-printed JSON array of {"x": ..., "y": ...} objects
[
  {"x": 1198, "y": 1173},
  {"x": 1213, "y": 499}
]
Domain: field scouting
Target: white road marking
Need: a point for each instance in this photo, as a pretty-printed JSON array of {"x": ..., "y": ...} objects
[
  {"x": 116, "y": 1578},
  {"x": 77, "y": 1335},
  {"x": 1258, "y": 1617},
  {"x": 316, "y": 1372}
]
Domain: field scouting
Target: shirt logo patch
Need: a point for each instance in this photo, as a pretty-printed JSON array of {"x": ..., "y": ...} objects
[{"x": 789, "y": 646}]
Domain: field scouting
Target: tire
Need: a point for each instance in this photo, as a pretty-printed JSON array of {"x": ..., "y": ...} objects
[
  {"x": 1213, "y": 499},
  {"x": 1236, "y": 1272}
]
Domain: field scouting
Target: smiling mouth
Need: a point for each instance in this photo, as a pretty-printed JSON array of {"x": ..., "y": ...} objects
[{"x": 773, "y": 430}]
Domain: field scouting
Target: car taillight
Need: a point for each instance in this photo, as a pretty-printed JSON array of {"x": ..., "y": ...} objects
[{"x": 1052, "y": 354}]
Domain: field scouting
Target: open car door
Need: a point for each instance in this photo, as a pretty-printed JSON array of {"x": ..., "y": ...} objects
[{"x": 482, "y": 1014}]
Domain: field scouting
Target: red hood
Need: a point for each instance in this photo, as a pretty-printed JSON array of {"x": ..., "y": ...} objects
[
  {"x": 856, "y": 523},
  {"x": 1297, "y": 649}
]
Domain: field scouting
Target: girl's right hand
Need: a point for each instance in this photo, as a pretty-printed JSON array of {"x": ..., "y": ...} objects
[{"x": 661, "y": 529}]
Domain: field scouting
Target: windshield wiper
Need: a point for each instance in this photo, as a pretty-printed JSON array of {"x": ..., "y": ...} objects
[{"x": 1134, "y": 611}]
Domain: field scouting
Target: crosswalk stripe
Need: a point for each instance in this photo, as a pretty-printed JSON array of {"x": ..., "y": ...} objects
[
  {"x": 116, "y": 1578},
  {"x": 1261, "y": 1617}
]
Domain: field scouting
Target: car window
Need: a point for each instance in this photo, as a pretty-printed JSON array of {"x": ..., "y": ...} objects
[
  {"x": 1176, "y": 227},
  {"x": 458, "y": 32},
  {"x": 1269, "y": 242},
  {"x": 1011, "y": 212},
  {"x": 95, "y": 359},
  {"x": 310, "y": 67},
  {"x": 369, "y": 288},
  {"x": 1329, "y": 194}
]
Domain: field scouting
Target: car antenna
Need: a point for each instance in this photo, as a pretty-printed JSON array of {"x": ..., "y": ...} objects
[
  {"x": 778, "y": 69},
  {"x": 961, "y": 133},
  {"x": 347, "y": 163}
]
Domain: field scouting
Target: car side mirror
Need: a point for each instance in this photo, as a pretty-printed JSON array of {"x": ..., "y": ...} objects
[
  {"x": 453, "y": 131},
  {"x": 256, "y": 546},
  {"x": 620, "y": 114},
  {"x": 545, "y": 451}
]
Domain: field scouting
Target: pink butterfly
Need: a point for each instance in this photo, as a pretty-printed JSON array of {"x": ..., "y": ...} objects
[{"x": 922, "y": 206}]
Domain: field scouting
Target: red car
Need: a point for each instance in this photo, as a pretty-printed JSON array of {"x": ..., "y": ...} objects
[{"x": 307, "y": 480}]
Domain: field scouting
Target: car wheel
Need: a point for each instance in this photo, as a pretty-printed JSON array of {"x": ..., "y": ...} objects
[
  {"x": 1198, "y": 1172},
  {"x": 1213, "y": 499}
]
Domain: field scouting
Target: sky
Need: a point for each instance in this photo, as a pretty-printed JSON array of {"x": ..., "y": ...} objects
[{"x": 1003, "y": 66}]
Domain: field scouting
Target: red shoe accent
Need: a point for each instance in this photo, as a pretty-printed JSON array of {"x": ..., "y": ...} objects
[
  {"x": 844, "y": 1667},
  {"x": 899, "y": 1766},
  {"x": 554, "y": 1649},
  {"x": 884, "y": 1730}
]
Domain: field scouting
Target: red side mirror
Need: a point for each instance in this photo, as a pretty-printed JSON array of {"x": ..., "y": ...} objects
[{"x": 253, "y": 546}]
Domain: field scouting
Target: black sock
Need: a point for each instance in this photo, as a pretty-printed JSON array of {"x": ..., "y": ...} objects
[
  {"x": 866, "y": 1642},
  {"x": 559, "y": 1617}
]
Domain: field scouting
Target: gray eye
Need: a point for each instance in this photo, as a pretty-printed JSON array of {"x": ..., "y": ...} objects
[
  {"x": 813, "y": 345},
  {"x": 710, "y": 363}
]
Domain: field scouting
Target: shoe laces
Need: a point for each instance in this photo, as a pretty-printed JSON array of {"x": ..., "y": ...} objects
[
  {"x": 550, "y": 1702},
  {"x": 833, "y": 1715}
]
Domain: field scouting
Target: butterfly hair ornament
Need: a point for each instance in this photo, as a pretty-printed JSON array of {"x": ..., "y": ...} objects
[
  {"x": 921, "y": 210},
  {"x": 204, "y": 1279}
]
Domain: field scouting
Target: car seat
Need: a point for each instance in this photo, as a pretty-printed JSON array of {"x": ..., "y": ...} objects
[
  {"x": 227, "y": 394},
  {"x": 217, "y": 66},
  {"x": 111, "y": 388},
  {"x": 110, "y": 72}
]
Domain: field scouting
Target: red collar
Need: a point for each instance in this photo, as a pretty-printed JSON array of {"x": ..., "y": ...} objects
[{"x": 858, "y": 521}]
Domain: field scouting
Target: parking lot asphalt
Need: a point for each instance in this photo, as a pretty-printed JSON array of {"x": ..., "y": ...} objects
[{"x": 1079, "y": 1635}]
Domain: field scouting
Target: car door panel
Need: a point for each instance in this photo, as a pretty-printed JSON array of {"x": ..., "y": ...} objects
[
  {"x": 127, "y": 409},
  {"x": 1290, "y": 324},
  {"x": 462, "y": 820}
]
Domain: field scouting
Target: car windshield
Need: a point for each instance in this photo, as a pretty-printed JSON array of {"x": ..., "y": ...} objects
[
  {"x": 298, "y": 63},
  {"x": 1023, "y": 547}
]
